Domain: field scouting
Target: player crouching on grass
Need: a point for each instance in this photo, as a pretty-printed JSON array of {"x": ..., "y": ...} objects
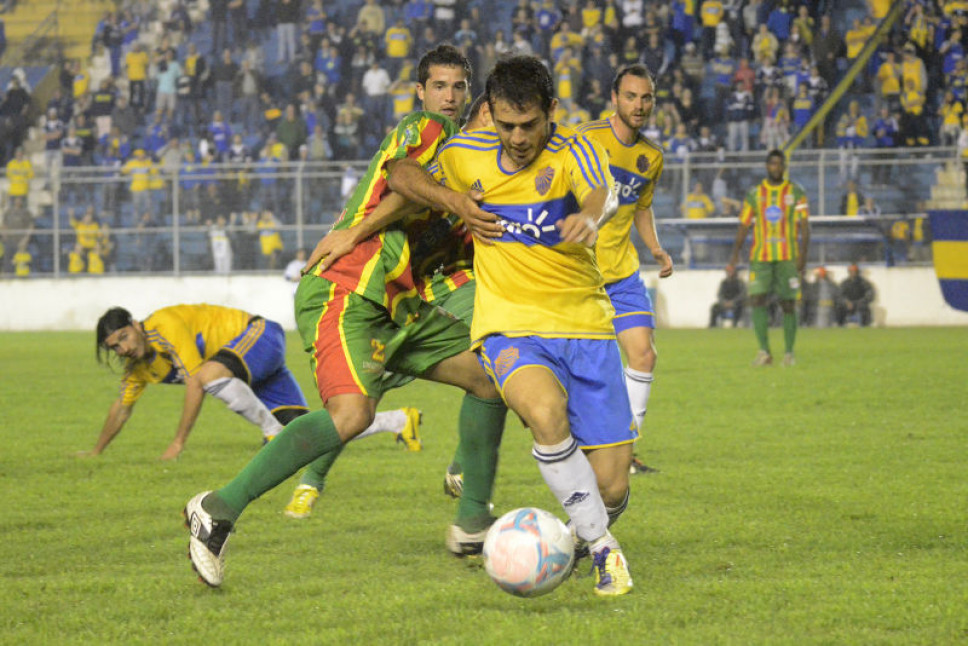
[{"x": 230, "y": 354}]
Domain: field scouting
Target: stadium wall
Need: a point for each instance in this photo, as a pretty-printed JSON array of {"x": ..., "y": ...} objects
[{"x": 908, "y": 296}]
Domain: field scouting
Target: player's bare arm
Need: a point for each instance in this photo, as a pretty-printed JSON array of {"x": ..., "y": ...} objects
[
  {"x": 741, "y": 234},
  {"x": 414, "y": 183},
  {"x": 339, "y": 242},
  {"x": 194, "y": 395},
  {"x": 118, "y": 415},
  {"x": 645, "y": 225},
  {"x": 581, "y": 227},
  {"x": 804, "y": 245}
]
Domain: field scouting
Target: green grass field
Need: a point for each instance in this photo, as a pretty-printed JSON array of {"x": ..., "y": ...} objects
[{"x": 821, "y": 504}]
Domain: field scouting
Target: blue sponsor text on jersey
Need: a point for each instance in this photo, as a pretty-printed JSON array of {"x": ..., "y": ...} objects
[
  {"x": 533, "y": 224},
  {"x": 628, "y": 185}
]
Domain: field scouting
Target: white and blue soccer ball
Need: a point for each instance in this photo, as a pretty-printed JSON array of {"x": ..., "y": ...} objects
[{"x": 528, "y": 552}]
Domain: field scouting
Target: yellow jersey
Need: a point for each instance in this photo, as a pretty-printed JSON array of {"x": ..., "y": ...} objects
[
  {"x": 530, "y": 283},
  {"x": 698, "y": 206},
  {"x": 180, "y": 339},
  {"x": 137, "y": 63},
  {"x": 19, "y": 173},
  {"x": 86, "y": 232},
  {"x": 21, "y": 263},
  {"x": 636, "y": 169},
  {"x": 141, "y": 171}
]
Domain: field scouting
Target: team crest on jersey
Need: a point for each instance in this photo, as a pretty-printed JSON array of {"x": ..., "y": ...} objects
[
  {"x": 505, "y": 361},
  {"x": 542, "y": 183},
  {"x": 788, "y": 199},
  {"x": 642, "y": 163}
]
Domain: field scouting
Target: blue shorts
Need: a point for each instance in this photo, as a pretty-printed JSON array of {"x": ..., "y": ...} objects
[
  {"x": 633, "y": 307},
  {"x": 589, "y": 372},
  {"x": 262, "y": 349}
]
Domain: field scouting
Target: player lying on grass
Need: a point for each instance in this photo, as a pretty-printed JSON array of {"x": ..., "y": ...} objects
[
  {"x": 362, "y": 316},
  {"x": 232, "y": 355},
  {"x": 542, "y": 321}
]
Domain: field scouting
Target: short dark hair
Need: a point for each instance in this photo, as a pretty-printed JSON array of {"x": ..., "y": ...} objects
[
  {"x": 475, "y": 108},
  {"x": 522, "y": 81},
  {"x": 636, "y": 69},
  {"x": 112, "y": 321},
  {"x": 776, "y": 152},
  {"x": 446, "y": 55}
]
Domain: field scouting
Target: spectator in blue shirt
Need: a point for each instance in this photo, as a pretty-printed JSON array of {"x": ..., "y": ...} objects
[
  {"x": 885, "y": 137},
  {"x": 220, "y": 134}
]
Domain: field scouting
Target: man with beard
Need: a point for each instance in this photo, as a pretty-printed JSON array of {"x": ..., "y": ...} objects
[{"x": 636, "y": 165}]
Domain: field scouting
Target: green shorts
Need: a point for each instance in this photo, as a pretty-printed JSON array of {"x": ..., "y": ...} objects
[
  {"x": 354, "y": 343},
  {"x": 778, "y": 277},
  {"x": 459, "y": 302}
]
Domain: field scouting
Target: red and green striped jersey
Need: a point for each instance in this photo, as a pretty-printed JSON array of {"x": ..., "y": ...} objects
[
  {"x": 774, "y": 212},
  {"x": 379, "y": 267},
  {"x": 439, "y": 246}
]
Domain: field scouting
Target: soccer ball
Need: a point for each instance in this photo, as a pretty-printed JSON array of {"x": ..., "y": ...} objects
[{"x": 528, "y": 552}]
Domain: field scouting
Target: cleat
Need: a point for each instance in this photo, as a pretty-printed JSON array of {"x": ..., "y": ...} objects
[
  {"x": 206, "y": 547},
  {"x": 410, "y": 435},
  {"x": 612, "y": 576},
  {"x": 303, "y": 499},
  {"x": 638, "y": 466},
  {"x": 461, "y": 543},
  {"x": 267, "y": 438},
  {"x": 789, "y": 360},
  {"x": 763, "y": 358},
  {"x": 454, "y": 484}
]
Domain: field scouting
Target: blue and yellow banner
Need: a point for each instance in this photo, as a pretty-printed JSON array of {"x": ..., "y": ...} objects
[{"x": 949, "y": 230}]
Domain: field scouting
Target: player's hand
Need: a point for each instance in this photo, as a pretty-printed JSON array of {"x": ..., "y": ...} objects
[
  {"x": 333, "y": 246},
  {"x": 578, "y": 228},
  {"x": 665, "y": 262},
  {"x": 483, "y": 226},
  {"x": 173, "y": 451}
]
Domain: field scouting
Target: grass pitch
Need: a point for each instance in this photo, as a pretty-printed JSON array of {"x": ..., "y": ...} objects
[{"x": 821, "y": 504}]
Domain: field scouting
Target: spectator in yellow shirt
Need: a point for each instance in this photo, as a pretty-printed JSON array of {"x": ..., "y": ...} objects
[
  {"x": 19, "y": 173},
  {"x": 399, "y": 43},
  {"x": 141, "y": 169},
  {"x": 698, "y": 206},
  {"x": 86, "y": 229},
  {"x": 22, "y": 259},
  {"x": 75, "y": 260},
  {"x": 136, "y": 62},
  {"x": 889, "y": 82}
]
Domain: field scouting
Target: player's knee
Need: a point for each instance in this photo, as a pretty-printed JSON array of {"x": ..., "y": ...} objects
[
  {"x": 548, "y": 423},
  {"x": 350, "y": 421}
]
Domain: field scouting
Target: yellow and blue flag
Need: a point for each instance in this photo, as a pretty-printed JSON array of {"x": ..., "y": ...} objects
[{"x": 949, "y": 230}]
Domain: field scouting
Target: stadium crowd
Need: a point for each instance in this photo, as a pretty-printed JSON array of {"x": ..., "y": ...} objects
[{"x": 202, "y": 87}]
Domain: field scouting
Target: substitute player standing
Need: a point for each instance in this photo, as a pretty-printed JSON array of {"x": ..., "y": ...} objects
[
  {"x": 636, "y": 165},
  {"x": 542, "y": 320},
  {"x": 776, "y": 209}
]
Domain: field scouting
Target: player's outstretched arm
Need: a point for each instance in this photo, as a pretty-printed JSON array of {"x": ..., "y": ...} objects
[
  {"x": 194, "y": 395},
  {"x": 118, "y": 414},
  {"x": 339, "y": 242},
  {"x": 645, "y": 225},
  {"x": 410, "y": 180}
]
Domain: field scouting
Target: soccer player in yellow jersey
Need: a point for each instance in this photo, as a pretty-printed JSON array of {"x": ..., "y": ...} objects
[
  {"x": 777, "y": 211},
  {"x": 230, "y": 354},
  {"x": 362, "y": 316},
  {"x": 636, "y": 165},
  {"x": 542, "y": 321}
]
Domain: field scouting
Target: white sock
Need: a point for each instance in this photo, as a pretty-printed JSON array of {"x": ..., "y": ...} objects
[
  {"x": 240, "y": 399},
  {"x": 639, "y": 385},
  {"x": 391, "y": 421},
  {"x": 569, "y": 475}
]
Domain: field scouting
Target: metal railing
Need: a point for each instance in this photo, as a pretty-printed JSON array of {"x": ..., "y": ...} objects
[{"x": 172, "y": 228}]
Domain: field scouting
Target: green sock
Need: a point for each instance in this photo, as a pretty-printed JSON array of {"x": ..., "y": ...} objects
[
  {"x": 481, "y": 426},
  {"x": 761, "y": 322},
  {"x": 789, "y": 330},
  {"x": 316, "y": 471},
  {"x": 302, "y": 440}
]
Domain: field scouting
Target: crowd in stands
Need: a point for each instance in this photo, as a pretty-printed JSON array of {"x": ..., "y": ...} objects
[{"x": 190, "y": 85}]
